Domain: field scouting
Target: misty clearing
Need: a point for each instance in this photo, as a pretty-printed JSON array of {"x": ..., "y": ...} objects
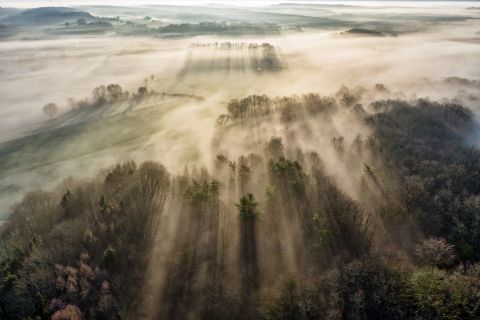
[{"x": 239, "y": 160}]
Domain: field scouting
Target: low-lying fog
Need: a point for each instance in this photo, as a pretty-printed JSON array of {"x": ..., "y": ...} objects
[{"x": 36, "y": 72}]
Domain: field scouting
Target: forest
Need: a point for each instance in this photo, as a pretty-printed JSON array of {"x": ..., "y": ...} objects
[{"x": 268, "y": 234}]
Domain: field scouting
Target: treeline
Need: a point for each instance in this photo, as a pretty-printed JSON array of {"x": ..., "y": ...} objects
[
  {"x": 104, "y": 95},
  {"x": 101, "y": 96},
  {"x": 267, "y": 232},
  {"x": 287, "y": 108}
]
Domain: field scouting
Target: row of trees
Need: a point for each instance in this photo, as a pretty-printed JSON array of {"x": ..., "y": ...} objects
[
  {"x": 101, "y": 96},
  {"x": 232, "y": 45},
  {"x": 288, "y": 108}
]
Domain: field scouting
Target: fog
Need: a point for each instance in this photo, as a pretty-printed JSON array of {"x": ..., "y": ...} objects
[
  {"x": 54, "y": 70},
  {"x": 36, "y": 72}
]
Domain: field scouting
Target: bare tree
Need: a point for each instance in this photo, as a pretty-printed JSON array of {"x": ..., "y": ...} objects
[
  {"x": 72, "y": 103},
  {"x": 50, "y": 110},
  {"x": 100, "y": 95},
  {"x": 114, "y": 92}
]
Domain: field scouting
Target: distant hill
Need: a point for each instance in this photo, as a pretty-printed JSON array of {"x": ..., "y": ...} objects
[
  {"x": 47, "y": 15},
  {"x": 5, "y": 12}
]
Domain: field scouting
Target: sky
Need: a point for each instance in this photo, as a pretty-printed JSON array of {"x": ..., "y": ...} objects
[{"x": 46, "y": 3}]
